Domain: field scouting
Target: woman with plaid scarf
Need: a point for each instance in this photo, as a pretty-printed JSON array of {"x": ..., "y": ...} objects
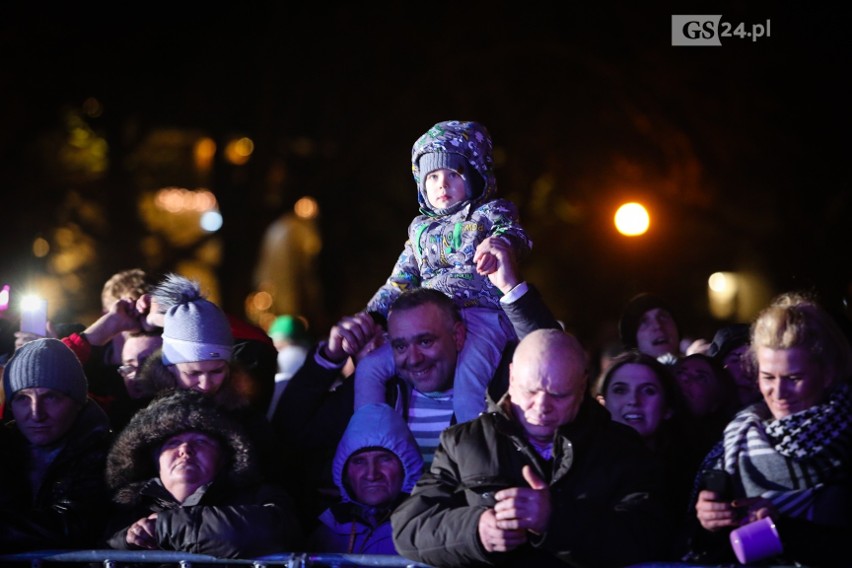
[{"x": 788, "y": 456}]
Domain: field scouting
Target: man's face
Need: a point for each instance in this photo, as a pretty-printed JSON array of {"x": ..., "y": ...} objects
[
  {"x": 657, "y": 333},
  {"x": 190, "y": 459},
  {"x": 546, "y": 392},
  {"x": 136, "y": 349},
  {"x": 374, "y": 476},
  {"x": 43, "y": 415},
  {"x": 790, "y": 380},
  {"x": 425, "y": 343},
  {"x": 202, "y": 376}
]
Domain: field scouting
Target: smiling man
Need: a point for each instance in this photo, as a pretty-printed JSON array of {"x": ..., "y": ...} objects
[
  {"x": 427, "y": 333},
  {"x": 53, "y": 449}
]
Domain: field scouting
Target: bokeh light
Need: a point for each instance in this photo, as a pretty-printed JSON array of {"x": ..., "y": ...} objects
[{"x": 632, "y": 220}]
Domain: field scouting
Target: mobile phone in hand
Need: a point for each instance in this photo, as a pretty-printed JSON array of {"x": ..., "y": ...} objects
[
  {"x": 34, "y": 315},
  {"x": 717, "y": 481}
]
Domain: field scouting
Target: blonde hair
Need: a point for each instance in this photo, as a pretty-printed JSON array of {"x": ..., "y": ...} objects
[
  {"x": 795, "y": 319},
  {"x": 131, "y": 283}
]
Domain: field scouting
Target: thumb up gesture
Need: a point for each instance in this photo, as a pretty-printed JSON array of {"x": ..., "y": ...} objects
[{"x": 522, "y": 507}]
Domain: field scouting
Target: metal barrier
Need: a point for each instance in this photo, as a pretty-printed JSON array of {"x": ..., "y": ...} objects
[{"x": 119, "y": 558}]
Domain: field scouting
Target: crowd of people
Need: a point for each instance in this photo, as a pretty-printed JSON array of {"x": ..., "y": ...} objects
[{"x": 453, "y": 421}]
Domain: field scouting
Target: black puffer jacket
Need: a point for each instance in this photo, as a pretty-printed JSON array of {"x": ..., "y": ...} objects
[
  {"x": 68, "y": 509},
  {"x": 235, "y": 516},
  {"x": 602, "y": 481}
]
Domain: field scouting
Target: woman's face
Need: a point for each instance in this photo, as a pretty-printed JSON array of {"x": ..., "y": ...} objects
[
  {"x": 202, "y": 376},
  {"x": 790, "y": 380},
  {"x": 635, "y": 397},
  {"x": 189, "y": 460}
]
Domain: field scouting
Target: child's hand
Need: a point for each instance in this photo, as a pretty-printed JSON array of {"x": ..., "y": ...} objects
[
  {"x": 484, "y": 257},
  {"x": 504, "y": 274},
  {"x": 487, "y": 264}
]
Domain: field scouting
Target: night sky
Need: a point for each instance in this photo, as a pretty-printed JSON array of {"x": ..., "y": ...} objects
[{"x": 741, "y": 150}]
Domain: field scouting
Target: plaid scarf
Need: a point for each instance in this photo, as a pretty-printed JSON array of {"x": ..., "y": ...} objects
[
  {"x": 813, "y": 431},
  {"x": 789, "y": 460}
]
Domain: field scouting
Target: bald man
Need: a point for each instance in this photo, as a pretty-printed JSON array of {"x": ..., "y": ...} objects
[{"x": 544, "y": 478}]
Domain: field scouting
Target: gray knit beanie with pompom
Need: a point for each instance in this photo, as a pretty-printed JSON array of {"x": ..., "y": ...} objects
[{"x": 194, "y": 329}]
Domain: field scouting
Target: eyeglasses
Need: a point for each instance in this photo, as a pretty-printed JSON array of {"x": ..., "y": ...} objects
[{"x": 128, "y": 371}]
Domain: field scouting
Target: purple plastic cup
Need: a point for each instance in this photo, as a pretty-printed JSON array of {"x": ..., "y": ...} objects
[{"x": 756, "y": 541}]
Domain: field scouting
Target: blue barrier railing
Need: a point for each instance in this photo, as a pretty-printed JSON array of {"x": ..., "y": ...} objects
[{"x": 118, "y": 558}]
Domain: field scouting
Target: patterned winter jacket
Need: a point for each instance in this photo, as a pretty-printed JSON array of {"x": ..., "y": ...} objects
[{"x": 441, "y": 243}]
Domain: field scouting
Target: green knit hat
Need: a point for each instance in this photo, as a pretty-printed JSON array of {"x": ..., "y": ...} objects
[{"x": 287, "y": 327}]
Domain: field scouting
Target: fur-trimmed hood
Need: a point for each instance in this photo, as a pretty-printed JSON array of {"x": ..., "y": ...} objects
[{"x": 132, "y": 460}]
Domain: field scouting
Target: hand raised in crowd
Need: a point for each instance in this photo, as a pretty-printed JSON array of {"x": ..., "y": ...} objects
[
  {"x": 486, "y": 261},
  {"x": 699, "y": 345},
  {"x": 143, "y": 533},
  {"x": 151, "y": 314},
  {"x": 349, "y": 336},
  {"x": 122, "y": 316},
  {"x": 518, "y": 510},
  {"x": 495, "y": 254}
]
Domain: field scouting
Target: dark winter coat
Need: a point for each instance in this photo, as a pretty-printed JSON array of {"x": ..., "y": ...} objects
[
  {"x": 68, "y": 509},
  {"x": 603, "y": 485},
  {"x": 237, "y": 515}
]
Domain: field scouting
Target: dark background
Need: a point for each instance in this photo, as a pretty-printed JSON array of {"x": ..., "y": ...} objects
[{"x": 740, "y": 151}]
